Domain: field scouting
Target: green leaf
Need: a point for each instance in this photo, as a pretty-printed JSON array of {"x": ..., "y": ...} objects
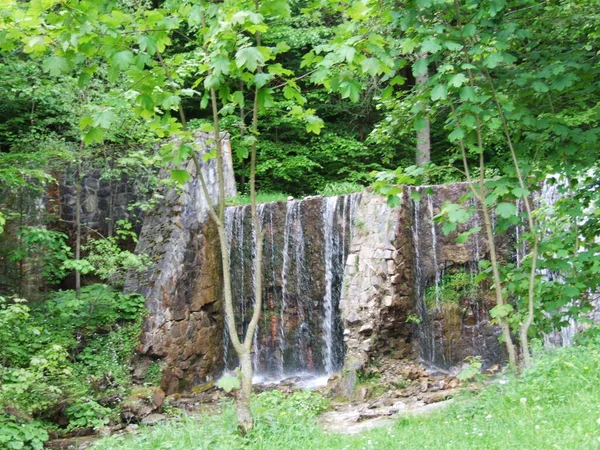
[
  {"x": 506, "y": 210},
  {"x": 420, "y": 67},
  {"x": 439, "y": 92},
  {"x": 181, "y": 176},
  {"x": 458, "y": 80},
  {"x": 408, "y": 45},
  {"x": 520, "y": 192},
  {"x": 104, "y": 119},
  {"x": 347, "y": 53},
  {"x": 372, "y": 66},
  {"x": 448, "y": 228},
  {"x": 501, "y": 311},
  {"x": 228, "y": 383},
  {"x": 431, "y": 45},
  {"x": 314, "y": 124},
  {"x": 394, "y": 201},
  {"x": 220, "y": 65},
  {"x": 467, "y": 94},
  {"x": 93, "y": 135},
  {"x": 456, "y": 135},
  {"x": 492, "y": 61},
  {"x": 468, "y": 30},
  {"x": 351, "y": 90},
  {"x": 415, "y": 195},
  {"x": 55, "y": 65},
  {"x": 171, "y": 102},
  {"x": 540, "y": 86},
  {"x": 260, "y": 79},
  {"x": 275, "y": 8},
  {"x": 85, "y": 121},
  {"x": 123, "y": 59},
  {"x": 249, "y": 58}
]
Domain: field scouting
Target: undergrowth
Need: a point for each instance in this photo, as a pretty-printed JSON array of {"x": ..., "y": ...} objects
[
  {"x": 553, "y": 404},
  {"x": 66, "y": 360}
]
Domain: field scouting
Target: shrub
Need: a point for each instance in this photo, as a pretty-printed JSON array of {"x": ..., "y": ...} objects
[{"x": 16, "y": 434}]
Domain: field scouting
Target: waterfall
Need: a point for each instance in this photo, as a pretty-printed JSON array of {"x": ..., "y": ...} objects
[
  {"x": 305, "y": 245},
  {"x": 426, "y": 335},
  {"x": 331, "y": 246},
  {"x": 434, "y": 250}
]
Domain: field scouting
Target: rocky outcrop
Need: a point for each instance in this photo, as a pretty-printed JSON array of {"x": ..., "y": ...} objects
[
  {"x": 377, "y": 292},
  {"x": 183, "y": 286}
]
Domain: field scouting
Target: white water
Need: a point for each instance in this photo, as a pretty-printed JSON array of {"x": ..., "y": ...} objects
[
  {"x": 434, "y": 251},
  {"x": 329, "y": 208}
]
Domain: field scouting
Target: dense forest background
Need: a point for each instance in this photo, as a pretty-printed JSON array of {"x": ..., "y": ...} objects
[{"x": 346, "y": 95}]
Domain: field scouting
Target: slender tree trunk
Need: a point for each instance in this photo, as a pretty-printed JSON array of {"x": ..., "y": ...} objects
[
  {"x": 244, "y": 414},
  {"x": 524, "y": 326},
  {"x": 424, "y": 134},
  {"x": 78, "y": 229},
  {"x": 480, "y": 195}
]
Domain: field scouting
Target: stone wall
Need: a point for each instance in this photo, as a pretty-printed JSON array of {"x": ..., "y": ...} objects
[
  {"x": 104, "y": 201},
  {"x": 377, "y": 292},
  {"x": 184, "y": 325}
]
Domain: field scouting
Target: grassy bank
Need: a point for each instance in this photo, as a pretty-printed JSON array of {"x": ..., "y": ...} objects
[{"x": 554, "y": 405}]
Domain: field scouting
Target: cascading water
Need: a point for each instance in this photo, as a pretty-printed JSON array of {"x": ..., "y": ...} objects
[
  {"x": 453, "y": 319},
  {"x": 331, "y": 247},
  {"x": 305, "y": 249}
]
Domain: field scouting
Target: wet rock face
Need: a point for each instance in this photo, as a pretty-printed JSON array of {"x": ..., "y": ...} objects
[
  {"x": 453, "y": 310},
  {"x": 183, "y": 286},
  {"x": 304, "y": 247}
]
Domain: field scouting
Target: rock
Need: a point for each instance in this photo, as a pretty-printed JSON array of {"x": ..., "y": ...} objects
[
  {"x": 364, "y": 393},
  {"x": 203, "y": 387},
  {"x": 132, "y": 428},
  {"x": 77, "y": 443},
  {"x": 142, "y": 402},
  {"x": 153, "y": 419},
  {"x": 183, "y": 279},
  {"x": 104, "y": 432}
]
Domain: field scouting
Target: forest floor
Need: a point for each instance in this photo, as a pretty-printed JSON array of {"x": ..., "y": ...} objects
[{"x": 553, "y": 404}]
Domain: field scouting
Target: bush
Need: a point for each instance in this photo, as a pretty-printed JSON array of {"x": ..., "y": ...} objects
[
  {"x": 69, "y": 354},
  {"x": 16, "y": 434}
]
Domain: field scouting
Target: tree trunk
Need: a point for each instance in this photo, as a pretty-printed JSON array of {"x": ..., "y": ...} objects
[
  {"x": 244, "y": 414},
  {"x": 78, "y": 230},
  {"x": 424, "y": 134}
]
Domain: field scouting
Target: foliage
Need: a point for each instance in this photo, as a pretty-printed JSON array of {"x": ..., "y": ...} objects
[
  {"x": 452, "y": 288},
  {"x": 45, "y": 247},
  {"x": 68, "y": 353},
  {"x": 261, "y": 197},
  {"x": 154, "y": 374},
  {"x": 107, "y": 259},
  {"x": 229, "y": 383},
  {"x": 471, "y": 368},
  {"x": 98, "y": 306},
  {"x": 16, "y": 434},
  {"x": 553, "y": 403},
  {"x": 340, "y": 188}
]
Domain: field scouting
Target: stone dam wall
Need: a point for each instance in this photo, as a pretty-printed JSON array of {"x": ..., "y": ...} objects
[{"x": 345, "y": 280}]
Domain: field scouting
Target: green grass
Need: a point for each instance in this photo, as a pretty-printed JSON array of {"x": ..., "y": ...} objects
[
  {"x": 261, "y": 197},
  {"x": 340, "y": 188},
  {"x": 554, "y": 405}
]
